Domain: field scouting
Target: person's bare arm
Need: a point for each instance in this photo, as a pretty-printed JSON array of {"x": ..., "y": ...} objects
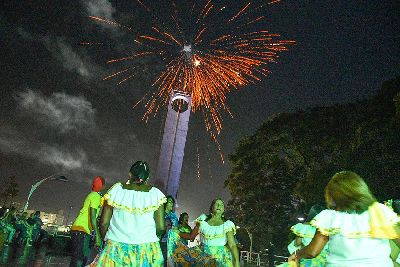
[
  {"x": 160, "y": 221},
  {"x": 105, "y": 219},
  {"x": 313, "y": 249},
  {"x": 93, "y": 222},
  {"x": 192, "y": 235},
  {"x": 233, "y": 248}
]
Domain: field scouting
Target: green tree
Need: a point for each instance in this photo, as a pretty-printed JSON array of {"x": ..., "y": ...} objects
[
  {"x": 282, "y": 170},
  {"x": 10, "y": 191}
]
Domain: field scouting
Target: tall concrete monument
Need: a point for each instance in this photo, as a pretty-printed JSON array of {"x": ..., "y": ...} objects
[{"x": 173, "y": 144}]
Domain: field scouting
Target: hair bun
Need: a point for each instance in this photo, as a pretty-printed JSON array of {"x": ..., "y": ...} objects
[{"x": 140, "y": 170}]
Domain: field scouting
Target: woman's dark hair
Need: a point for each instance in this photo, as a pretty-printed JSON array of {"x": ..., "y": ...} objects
[
  {"x": 140, "y": 171},
  {"x": 314, "y": 211},
  {"x": 180, "y": 221},
  {"x": 211, "y": 208},
  {"x": 166, "y": 202}
]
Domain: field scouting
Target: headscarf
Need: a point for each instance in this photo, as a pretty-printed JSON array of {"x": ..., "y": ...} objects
[{"x": 98, "y": 183}]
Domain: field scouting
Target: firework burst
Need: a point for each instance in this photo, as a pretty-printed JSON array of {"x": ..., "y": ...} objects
[{"x": 223, "y": 49}]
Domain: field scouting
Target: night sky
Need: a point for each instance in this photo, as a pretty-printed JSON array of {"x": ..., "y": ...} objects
[{"x": 59, "y": 117}]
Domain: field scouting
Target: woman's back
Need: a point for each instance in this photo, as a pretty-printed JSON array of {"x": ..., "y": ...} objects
[
  {"x": 132, "y": 221},
  {"x": 350, "y": 243},
  {"x": 364, "y": 251}
]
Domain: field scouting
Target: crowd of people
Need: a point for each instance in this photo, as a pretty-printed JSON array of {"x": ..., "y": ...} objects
[
  {"x": 135, "y": 224},
  {"x": 139, "y": 227},
  {"x": 21, "y": 229}
]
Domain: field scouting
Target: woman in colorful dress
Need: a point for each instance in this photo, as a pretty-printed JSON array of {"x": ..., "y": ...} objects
[
  {"x": 179, "y": 253},
  {"x": 304, "y": 233},
  {"x": 132, "y": 222},
  {"x": 217, "y": 236},
  {"x": 171, "y": 221},
  {"x": 357, "y": 227},
  {"x": 183, "y": 224}
]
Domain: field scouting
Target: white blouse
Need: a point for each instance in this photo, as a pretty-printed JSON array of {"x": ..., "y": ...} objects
[
  {"x": 349, "y": 242},
  {"x": 132, "y": 221},
  {"x": 214, "y": 235}
]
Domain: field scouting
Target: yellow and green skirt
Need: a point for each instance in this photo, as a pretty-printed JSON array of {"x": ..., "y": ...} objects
[
  {"x": 117, "y": 254},
  {"x": 221, "y": 254}
]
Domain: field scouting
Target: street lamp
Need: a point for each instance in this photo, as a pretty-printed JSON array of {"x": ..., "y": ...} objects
[
  {"x": 251, "y": 240},
  {"x": 300, "y": 219},
  {"x": 36, "y": 185}
]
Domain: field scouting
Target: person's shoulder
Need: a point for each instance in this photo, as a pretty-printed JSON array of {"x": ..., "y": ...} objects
[
  {"x": 327, "y": 213},
  {"x": 201, "y": 218},
  {"x": 229, "y": 223},
  {"x": 383, "y": 207},
  {"x": 93, "y": 195},
  {"x": 116, "y": 186},
  {"x": 155, "y": 191}
]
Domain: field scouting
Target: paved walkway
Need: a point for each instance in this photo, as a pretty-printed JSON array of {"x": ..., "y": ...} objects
[{"x": 11, "y": 256}]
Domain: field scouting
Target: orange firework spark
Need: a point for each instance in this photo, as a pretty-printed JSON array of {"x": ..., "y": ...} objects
[{"x": 202, "y": 63}]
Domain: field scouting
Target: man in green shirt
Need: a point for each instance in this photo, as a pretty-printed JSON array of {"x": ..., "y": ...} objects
[{"x": 85, "y": 223}]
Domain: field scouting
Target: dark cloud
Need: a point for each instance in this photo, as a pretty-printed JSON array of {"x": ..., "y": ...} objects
[{"x": 60, "y": 111}]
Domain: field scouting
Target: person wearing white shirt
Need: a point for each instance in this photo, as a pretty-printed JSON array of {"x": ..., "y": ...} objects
[
  {"x": 357, "y": 227},
  {"x": 132, "y": 222}
]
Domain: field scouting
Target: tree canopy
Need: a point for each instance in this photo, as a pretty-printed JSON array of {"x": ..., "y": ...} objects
[{"x": 281, "y": 171}]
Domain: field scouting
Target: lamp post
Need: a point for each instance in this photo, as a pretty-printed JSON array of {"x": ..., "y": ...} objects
[
  {"x": 36, "y": 185},
  {"x": 251, "y": 240},
  {"x": 69, "y": 213}
]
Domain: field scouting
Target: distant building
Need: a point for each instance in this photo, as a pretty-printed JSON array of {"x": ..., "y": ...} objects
[{"x": 50, "y": 218}]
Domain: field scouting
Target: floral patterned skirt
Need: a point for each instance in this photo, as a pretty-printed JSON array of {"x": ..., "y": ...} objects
[
  {"x": 221, "y": 254},
  {"x": 319, "y": 261},
  {"x": 117, "y": 254},
  {"x": 180, "y": 255}
]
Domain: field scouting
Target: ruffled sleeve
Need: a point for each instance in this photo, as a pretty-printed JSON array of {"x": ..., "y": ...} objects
[
  {"x": 134, "y": 201},
  {"x": 229, "y": 226},
  {"x": 377, "y": 222},
  {"x": 303, "y": 230},
  {"x": 324, "y": 222},
  {"x": 201, "y": 218}
]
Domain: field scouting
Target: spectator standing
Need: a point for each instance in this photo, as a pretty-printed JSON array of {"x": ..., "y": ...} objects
[
  {"x": 24, "y": 229},
  {"x": 85, "y": 223},
  {"x": 7, "y": 224},
  {"x": 37, "y": 227}
]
